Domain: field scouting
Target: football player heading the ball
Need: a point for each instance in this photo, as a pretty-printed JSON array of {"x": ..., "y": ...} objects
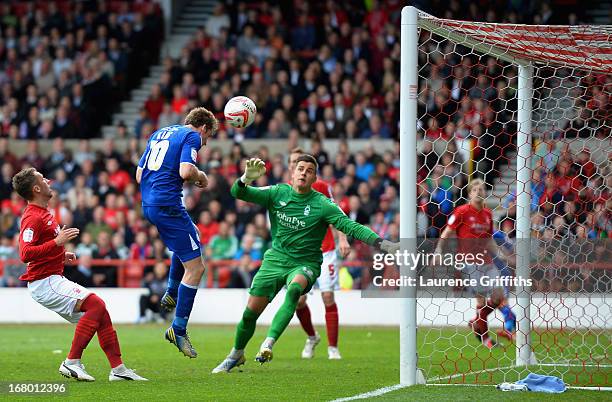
[
  {"x": 299, "y": 219},
  {"x": 168, "y": 161}
]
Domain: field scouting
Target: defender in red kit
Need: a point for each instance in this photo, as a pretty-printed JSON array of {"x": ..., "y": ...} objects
[
  {"x": 472, "y": 225},
  {"x": 41, "y": 247}
]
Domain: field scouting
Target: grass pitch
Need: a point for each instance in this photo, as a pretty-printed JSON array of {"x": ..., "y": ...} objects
[{"x": 33, "y": 353}]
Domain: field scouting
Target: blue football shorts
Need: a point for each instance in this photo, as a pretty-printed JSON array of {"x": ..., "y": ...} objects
[{"x": 176, "y": 230}]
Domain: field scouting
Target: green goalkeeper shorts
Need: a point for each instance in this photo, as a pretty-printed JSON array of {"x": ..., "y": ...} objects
[{"x": 275, "y": 273}]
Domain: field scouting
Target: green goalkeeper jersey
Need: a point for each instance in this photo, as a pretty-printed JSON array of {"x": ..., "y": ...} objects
[{"x": 299, "y": 221}]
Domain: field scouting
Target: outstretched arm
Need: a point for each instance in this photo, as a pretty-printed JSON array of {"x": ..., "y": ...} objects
[
  {"x": 255, "y": 168},
  {"x": 334, "y": 216}
]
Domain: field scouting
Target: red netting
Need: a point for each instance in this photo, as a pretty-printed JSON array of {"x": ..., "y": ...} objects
[
  {"x": 582, "y": 46},
  {"x": 467, "y": 129}
]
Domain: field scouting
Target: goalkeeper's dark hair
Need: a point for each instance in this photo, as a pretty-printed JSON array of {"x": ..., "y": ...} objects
[
  {"x": 23, "y": 183},
  {"x": 308, "y": 158},
  {"x": 200, "y": 116}
]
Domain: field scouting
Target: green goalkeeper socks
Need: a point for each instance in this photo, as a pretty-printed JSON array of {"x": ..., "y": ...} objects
[
  {"x": 285, "y": 313},
  {"x": 245, "y": 328}
]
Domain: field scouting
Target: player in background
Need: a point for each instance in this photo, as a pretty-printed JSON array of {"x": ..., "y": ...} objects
[
  {"x": 41, "y": 246},
  {"x": 327, "y": 282},
  {"x": 506, "y": 246},
  {"x": 168, "y": 161},
  {"x": 472, "y": 224},
  {"x": 299, "y": 219}
]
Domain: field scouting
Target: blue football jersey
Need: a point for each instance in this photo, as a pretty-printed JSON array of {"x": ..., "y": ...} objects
[{"x": 161, "y": 183}]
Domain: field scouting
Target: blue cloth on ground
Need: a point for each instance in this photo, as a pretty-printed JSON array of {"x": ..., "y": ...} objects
[{"x": 543, "y": 383}]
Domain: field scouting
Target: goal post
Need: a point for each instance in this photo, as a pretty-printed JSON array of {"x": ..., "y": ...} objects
[
  {"x": 508, "y": 103},
  {"x": 523, "y": 218},
  {"x": 408, "y": 163}
]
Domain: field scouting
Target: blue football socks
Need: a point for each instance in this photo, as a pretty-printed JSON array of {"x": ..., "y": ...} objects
[
  {"x": 177, "y": 270},
  {"x": 186, "y": 296},
  {"x": 509, "y": 318}
]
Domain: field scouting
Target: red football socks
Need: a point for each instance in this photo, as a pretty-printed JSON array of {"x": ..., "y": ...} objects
[
  {"x": 95, "y": 319},
  {"x": 331, "y": 321},
  {"x": 303, "y": 315}
]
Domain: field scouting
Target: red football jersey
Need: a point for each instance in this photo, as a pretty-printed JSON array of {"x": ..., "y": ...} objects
[
  {"x": 37, "y": 245},
  {"x": 471, "y": 223},
  {"x": 324, "y": 188}
]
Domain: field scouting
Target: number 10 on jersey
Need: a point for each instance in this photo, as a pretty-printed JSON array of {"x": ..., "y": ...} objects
[{"x": 157, "y": 154}]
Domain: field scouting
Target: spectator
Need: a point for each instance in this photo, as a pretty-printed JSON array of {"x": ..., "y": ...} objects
[
  {"x": 14, "y": 269},
  {"x": 98, "y": 225},
  {"x": 207, "y": 227},
  {"x": 167, "y": 117},
  {"x": 242, "y": 273},
  {"x": 155, "y": 103},
  {"x": 86, "y": 245},
  {"x": 155, "y": 282},
  {"x": 303, "y": 35},
  {"x": 104, "y": 275},
  {"x": 248, "y": 246},
  {"x": 216, "y": 22},
  {"x": 141, "y": 249},
  {"x": 82, "y": 273},
  {"x": 222, "y": 246}
]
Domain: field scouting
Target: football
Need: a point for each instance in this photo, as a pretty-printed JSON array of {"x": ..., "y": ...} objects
[{"x": 240, "y": 111}]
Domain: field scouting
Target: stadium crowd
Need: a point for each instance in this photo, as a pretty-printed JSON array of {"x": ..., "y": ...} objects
[
  {"x": 317, "y": 70},
  {"x": 65, "y": 64}
]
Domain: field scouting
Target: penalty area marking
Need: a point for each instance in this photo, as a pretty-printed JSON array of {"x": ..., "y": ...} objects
[
  {"x": 371, "y": 394},
  {"x": 450, "y": 377}
]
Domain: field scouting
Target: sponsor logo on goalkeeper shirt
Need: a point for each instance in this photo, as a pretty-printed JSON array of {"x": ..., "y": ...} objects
[{"x": 291, "y": 222}]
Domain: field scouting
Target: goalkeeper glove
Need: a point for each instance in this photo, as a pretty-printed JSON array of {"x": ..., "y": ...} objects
[
  {"x": 387, "y": 246},
  {"x": 255, "y": 168}
]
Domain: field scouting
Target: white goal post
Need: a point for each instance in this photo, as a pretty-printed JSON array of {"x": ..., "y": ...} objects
[{"x": 488, "y": 39}]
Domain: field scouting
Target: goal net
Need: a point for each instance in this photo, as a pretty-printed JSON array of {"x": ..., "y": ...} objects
[{"x": 526, "y": 109}]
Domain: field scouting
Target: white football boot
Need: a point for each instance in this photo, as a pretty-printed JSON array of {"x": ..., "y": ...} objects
[
  {"x": 333, "y": 353},
  {"x": 75, "y": 370},
  {"x": 309, "y": 347},
  {"x": 122, "y": 373}
]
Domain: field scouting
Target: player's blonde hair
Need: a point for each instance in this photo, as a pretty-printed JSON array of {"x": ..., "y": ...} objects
[
  {"x": 475, "y": 183},
  {"x": 200, "y": 116}
]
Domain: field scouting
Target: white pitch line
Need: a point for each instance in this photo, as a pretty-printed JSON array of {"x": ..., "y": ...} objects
[
  {"x": 593, "y": 388},
  {"x": 371, "y": 394},
  {"x": 450, "y": 377},
  {"x": 384, "y": 390},
  {"x": 572, "y": 365}
]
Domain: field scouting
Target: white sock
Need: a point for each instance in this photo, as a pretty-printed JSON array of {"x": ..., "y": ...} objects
[
  {"x": 236, "y": 354},
  {"x": 72, "y": 361},
  {"x": 120, "y": 368},
  {"x": 268, "y": 343}
]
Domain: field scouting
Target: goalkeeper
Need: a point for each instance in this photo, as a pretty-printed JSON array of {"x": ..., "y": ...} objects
[{"x": 299, "y": 219}]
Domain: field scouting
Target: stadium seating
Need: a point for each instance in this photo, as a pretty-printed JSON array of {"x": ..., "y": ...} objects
[{"x": 346, "y": 90}]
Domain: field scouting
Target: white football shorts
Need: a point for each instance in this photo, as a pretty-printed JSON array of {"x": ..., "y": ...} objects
[
  {"x": 60, "y": 295},
  {"x": 479, "y": 272},
  {"x": 328, "y": 281}
]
